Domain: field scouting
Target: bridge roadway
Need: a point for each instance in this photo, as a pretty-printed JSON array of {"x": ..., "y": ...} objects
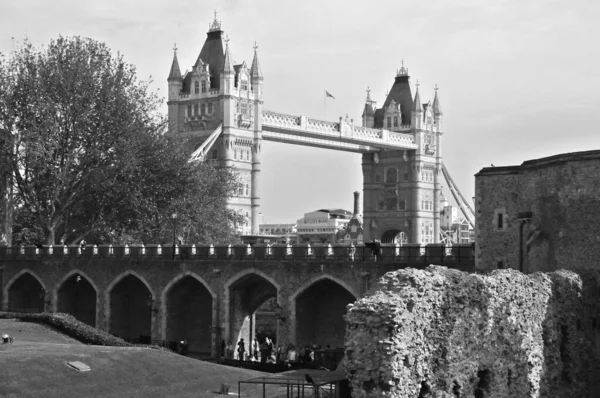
[
  {"x": 342, "y": 135},
  {"x": 205, "y": 294}
]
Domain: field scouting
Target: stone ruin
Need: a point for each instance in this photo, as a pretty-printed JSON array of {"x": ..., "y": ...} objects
[{"x": 440, "y": 332}]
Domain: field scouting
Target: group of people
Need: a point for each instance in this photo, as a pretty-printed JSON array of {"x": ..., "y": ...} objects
[{"x": 265, "y": 351}]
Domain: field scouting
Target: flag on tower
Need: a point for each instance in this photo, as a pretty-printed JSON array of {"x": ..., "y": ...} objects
[{"x": 328, "y": 94}]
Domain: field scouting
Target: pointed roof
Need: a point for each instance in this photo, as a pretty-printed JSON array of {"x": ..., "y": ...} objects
[
  {"x": 255, "y": 72},
  {"x": 437, "y": 109},
  {"x": 401, "y": 94},
  {"x": 368, "y": 111},
  {"x": 227, "y": 64},
  {"x": 417, "y": 103},
  {"x": 212, "y": 53},
  {"x": 175, "y": 73}
]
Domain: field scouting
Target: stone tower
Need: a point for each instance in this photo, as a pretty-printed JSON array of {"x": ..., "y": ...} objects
[
  {"x": 402, "y": 188},
  {"x": 218, "y": 92}
]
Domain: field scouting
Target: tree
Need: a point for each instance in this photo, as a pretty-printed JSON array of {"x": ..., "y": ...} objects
[{"x": 85, "y": 144}]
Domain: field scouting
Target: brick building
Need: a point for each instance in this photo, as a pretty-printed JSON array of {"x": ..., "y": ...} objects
[{"x": 540, "y": 215}]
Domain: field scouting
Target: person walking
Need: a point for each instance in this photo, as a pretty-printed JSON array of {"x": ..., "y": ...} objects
[{"x": 241, "y": 349}]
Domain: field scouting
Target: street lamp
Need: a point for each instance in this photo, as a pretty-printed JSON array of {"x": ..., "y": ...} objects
[{"x": 174, "y": 217}]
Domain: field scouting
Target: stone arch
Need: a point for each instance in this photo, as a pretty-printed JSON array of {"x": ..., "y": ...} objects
[
  {"x": 391, "y": 235},
  {"x": 144, "y": 314},
  {"x": 59, "y": 285},
  {"x": 317, "y": 311},
  {"x": 165, "y": 309},
  {"x": 238, "y": 321},
  {"x": 8, "y": 286}
]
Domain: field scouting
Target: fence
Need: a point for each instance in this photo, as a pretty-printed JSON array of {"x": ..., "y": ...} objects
[{"x": 408, "y": 254}]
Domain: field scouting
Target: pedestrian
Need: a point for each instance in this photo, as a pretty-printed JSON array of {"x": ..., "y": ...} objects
[
  {"x": 241, "y": 349},
  {"x": 255, "y": 349},
  {"x": 229, "y": 350},
  {"x": 351, "y": 251}
]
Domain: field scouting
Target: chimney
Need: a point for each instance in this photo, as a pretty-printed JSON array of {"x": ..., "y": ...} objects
[{"x": 356, "y": 199}]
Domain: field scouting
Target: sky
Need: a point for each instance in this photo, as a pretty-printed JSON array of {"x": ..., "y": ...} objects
[{"x": 517, "y": 80}]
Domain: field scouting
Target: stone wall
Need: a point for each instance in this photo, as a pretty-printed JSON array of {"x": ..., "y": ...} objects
[
  {"x": 563, "y": 196},
  {"x": 444, "y": 333}
]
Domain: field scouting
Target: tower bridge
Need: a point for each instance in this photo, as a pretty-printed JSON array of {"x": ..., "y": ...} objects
[
  {"x": 208, "y": 297},
  {"x": 220, "y": 105}
]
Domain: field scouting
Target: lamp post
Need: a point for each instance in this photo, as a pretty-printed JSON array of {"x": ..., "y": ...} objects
[{"x": 174, "y": 217}]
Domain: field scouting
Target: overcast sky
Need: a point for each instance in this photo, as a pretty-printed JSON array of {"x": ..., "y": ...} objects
[{"x": 517, "y": 79}]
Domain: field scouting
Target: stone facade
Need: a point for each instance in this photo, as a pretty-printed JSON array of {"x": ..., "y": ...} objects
[
  {"x": 402, "y": 189},
  {"x": 539, "y": 214},
  {"x": 445, "y": 333},
  {"x": 214, "y": 93}
]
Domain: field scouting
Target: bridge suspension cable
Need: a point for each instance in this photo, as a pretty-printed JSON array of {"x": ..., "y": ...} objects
[{"x": 464, "y": 206}]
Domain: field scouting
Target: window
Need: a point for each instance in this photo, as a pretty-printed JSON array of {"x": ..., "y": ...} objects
[
  {"x": 391, "y": 175},
  {"x": 248, "y": 155},
  {"x": 205, "y": 107},
  {"x": 202, "y": 109},
  {"x": 235, "y": 154},
  {"x": 395, "y": 121},
  {"x": 427, "y": 176},
  {"x": 240, "y": 189},
  {"x": 377, "y": 177},
  {"x": 244, "y": 108},
  {"x": 203, "y": 86},
  {"x": 427, "y": 232},
  {"x": 210, "y": 108},
  {"x": 195, "y": 109},
  {"x": 427, "y": 205},
  {"x": 500, "y": 221},
  {"x": 214, "y": 154},
  {"x": 196, "y": 87},
  {"x": 189, "y": 110},
  {"x": 389, "y": 122},
  {"x": 247, "y": 195},
  {"x": 245, "y": 85}
]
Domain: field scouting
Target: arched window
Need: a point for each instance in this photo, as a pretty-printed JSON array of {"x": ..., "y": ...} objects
[
  {"x": 395, "y": 121},
  {"x": 391, "y": 175},
  {"x": 196, "y": 87},
  {"x": 203, "y": 86}
]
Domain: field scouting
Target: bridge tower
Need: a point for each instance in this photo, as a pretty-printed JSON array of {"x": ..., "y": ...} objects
[
  {"x": 219, "y": 93},
  {"x": 402, "y": 187}
]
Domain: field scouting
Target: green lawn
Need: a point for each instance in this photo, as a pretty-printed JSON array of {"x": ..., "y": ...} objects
[{"x": 35, "y": 366}]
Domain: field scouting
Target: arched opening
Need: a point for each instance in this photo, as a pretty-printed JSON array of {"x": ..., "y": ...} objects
[
  {"x": 77, "y": 296},
  {"x": 131, "y": 310},
  {"x": 26, "y": 294},
  {"x": 394, "y": 236},
  {"x": 253, "y": 311},
  {"x": 189, "y": 314},
  {"x": 320, "y": 311}
]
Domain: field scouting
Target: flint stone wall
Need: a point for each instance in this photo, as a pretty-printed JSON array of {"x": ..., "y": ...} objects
[{"x": 444, "y": 333}]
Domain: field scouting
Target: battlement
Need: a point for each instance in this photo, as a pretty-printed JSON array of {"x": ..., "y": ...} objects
[{"x": 413, "y": 254}]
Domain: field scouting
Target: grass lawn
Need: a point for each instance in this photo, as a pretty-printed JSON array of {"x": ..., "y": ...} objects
[{"x": 35, "y": 366}]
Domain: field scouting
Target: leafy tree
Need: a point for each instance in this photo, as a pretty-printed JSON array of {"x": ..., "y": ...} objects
[{"x": 86, "y": 146}]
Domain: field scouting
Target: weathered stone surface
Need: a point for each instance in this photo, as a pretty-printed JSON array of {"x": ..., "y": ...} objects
[{"x": 444, "y": 333}]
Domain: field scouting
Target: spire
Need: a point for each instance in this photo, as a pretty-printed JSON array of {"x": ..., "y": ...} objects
[
  {"x": 214, "y": 26},
  {"x": 255, "y": 72},
  {"x": 227, "y": 65},
  {"x": 437, "y": 110},
  {"x": 175, "y": 73},
  {"x": 417, "y": 107}
]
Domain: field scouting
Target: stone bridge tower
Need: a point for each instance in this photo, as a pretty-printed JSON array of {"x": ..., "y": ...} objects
[
  {"x": 402, "y": 188},
  {"x": 218, "y": 93}
]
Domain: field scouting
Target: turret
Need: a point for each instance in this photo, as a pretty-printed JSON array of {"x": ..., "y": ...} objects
[
  {"x": 417, "y": 110},
  {"x": 256, "y": 77},
  {"x": 228, "y": 72},
  {"x": 437, "y": 111},
  {"x": 175, "y": 80},
  {"x": 368, "y": 116}
]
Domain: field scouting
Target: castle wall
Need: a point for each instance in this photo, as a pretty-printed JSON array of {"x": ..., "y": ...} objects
[
  {"x": 563, "y": 196},
  {"x": 440, "y": 332}
]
